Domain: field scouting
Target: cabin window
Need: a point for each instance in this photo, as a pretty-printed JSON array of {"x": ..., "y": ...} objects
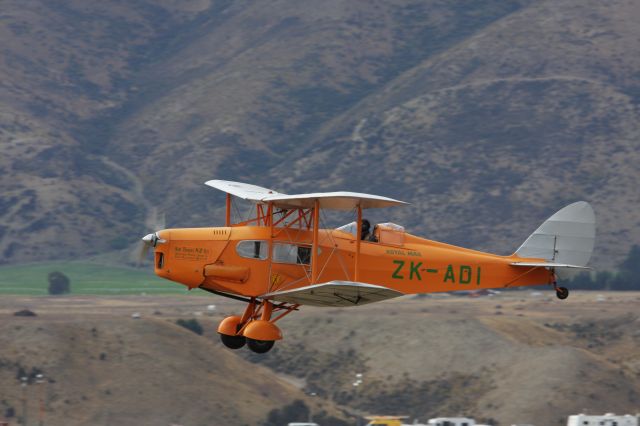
[
  {"x": 252, "y": 249},
  {"x": 291, "y": 253}
]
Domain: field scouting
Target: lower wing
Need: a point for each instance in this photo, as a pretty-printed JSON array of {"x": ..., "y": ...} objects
[{"x": 334, "y": 293}]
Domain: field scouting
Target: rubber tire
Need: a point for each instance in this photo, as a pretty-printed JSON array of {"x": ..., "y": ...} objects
[
  {"x": 233, "y": 342},
  {"x": 562, "y": 293},
  {"x": 260, "y": 346}
]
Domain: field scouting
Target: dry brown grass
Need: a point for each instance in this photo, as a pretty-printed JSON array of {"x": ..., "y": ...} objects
[{"x": 537, "y": 362}]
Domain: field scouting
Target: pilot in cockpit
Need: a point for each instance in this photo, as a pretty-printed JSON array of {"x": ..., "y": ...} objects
[
  {"x": 373, "y": 237},
  {"x": 366, "y": 234}
]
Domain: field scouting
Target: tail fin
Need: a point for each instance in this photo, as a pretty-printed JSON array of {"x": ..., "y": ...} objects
[{"x": 565, "y": 238}]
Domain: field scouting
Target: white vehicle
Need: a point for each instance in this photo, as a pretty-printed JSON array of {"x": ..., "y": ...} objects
[
  {"x": 608, "y": 419},
  {"x": 452, "y": 421}
]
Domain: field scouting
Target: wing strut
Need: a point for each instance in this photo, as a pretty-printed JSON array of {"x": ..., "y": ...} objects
[
  {"x": 270, "y": 281},
  {"x": 358, "y": 234},
  {"x": 314, "y": 245}
]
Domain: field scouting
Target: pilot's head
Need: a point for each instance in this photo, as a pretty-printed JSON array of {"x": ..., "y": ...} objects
[{"x": 366, "y": 225}]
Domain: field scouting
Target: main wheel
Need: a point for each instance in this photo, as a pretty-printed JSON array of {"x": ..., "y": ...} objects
[
  {"x": 562, "y": 293},
  {"x": 233, "y": 342},
  {"x": 260, "y": 346}
]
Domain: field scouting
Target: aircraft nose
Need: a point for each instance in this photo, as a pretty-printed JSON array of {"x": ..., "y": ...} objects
[
  {"x": 148, "y": 239},
  {"x": 153, "y": 239}
]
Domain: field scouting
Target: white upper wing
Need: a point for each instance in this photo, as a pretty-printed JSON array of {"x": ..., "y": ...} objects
[
  {"x": 328, "y": 200},
  {"x": 242, "y": 190},
  {"x": 333, "y": 200}
]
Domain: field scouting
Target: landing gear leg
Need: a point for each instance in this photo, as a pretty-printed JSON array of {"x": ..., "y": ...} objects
[
  {"x": 255, "y": 328},
  {"x": 561, "y": 292}
]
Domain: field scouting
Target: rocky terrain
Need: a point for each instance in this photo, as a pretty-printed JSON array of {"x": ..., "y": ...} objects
[
  {"x": 519, "y": 357},
  {"x": 486, "y": 117}
]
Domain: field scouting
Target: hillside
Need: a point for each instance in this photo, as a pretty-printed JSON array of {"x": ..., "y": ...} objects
[
  {"x": 519, "y": 357},
  {"x": 487, "y": 118},
  {"x": 103, "y": 367},
  {"x": 504, "y": 128},
  {"x": 513, "y": 358}
]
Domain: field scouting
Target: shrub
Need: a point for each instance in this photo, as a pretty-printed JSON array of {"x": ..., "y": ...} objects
[
  {"x": 10, "y": 412},
  {"x": 192, "y": 325},
  {"x": 58, "y": 283},
  {"x": 297, "y": 411},
  {"x": 25, "y": 313}
]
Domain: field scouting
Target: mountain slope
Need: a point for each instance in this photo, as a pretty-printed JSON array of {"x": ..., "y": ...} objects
[
  {"x": 248, "y": 91},
  {"x": 62, "y": 66},
  {"x": 515, "y": 359},
  {"x": 122, "y": 371},
  {"x": 493, "y": 135},
  {"x": 487, "y": 118}
]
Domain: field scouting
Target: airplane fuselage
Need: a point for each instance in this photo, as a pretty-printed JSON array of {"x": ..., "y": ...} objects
[
  {"x": 285, "y": 261},
  {"x": 250, "y": 261}
]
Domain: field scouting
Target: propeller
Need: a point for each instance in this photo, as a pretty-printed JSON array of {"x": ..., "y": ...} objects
[
  {"x": 149, "y": 241},
  {"x": 155, "y": 220}
]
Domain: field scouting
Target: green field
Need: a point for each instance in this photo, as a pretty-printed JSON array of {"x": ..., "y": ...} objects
[{"x": 85, "y": 278}]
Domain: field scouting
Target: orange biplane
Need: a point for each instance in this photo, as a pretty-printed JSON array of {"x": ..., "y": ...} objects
[{"x": 280, "y": 259}]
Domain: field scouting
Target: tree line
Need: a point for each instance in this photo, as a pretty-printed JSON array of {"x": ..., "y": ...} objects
[{"x": 627, "y": 277}]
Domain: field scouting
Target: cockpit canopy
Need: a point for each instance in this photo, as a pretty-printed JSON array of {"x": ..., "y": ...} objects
[{"x": 386, "y": 233}]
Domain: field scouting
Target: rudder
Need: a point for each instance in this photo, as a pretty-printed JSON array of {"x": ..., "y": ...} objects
[{"x": 567, "y": 237}]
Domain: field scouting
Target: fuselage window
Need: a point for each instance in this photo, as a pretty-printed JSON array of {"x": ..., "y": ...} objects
[
  {"x": 252, "y": 249},
  {"x": 291, "y": 253}
]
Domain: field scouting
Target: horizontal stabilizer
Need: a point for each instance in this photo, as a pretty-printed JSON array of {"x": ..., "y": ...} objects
[
  {"x": 334, "y": 293},
  {"x": 550, "y": 265}
]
